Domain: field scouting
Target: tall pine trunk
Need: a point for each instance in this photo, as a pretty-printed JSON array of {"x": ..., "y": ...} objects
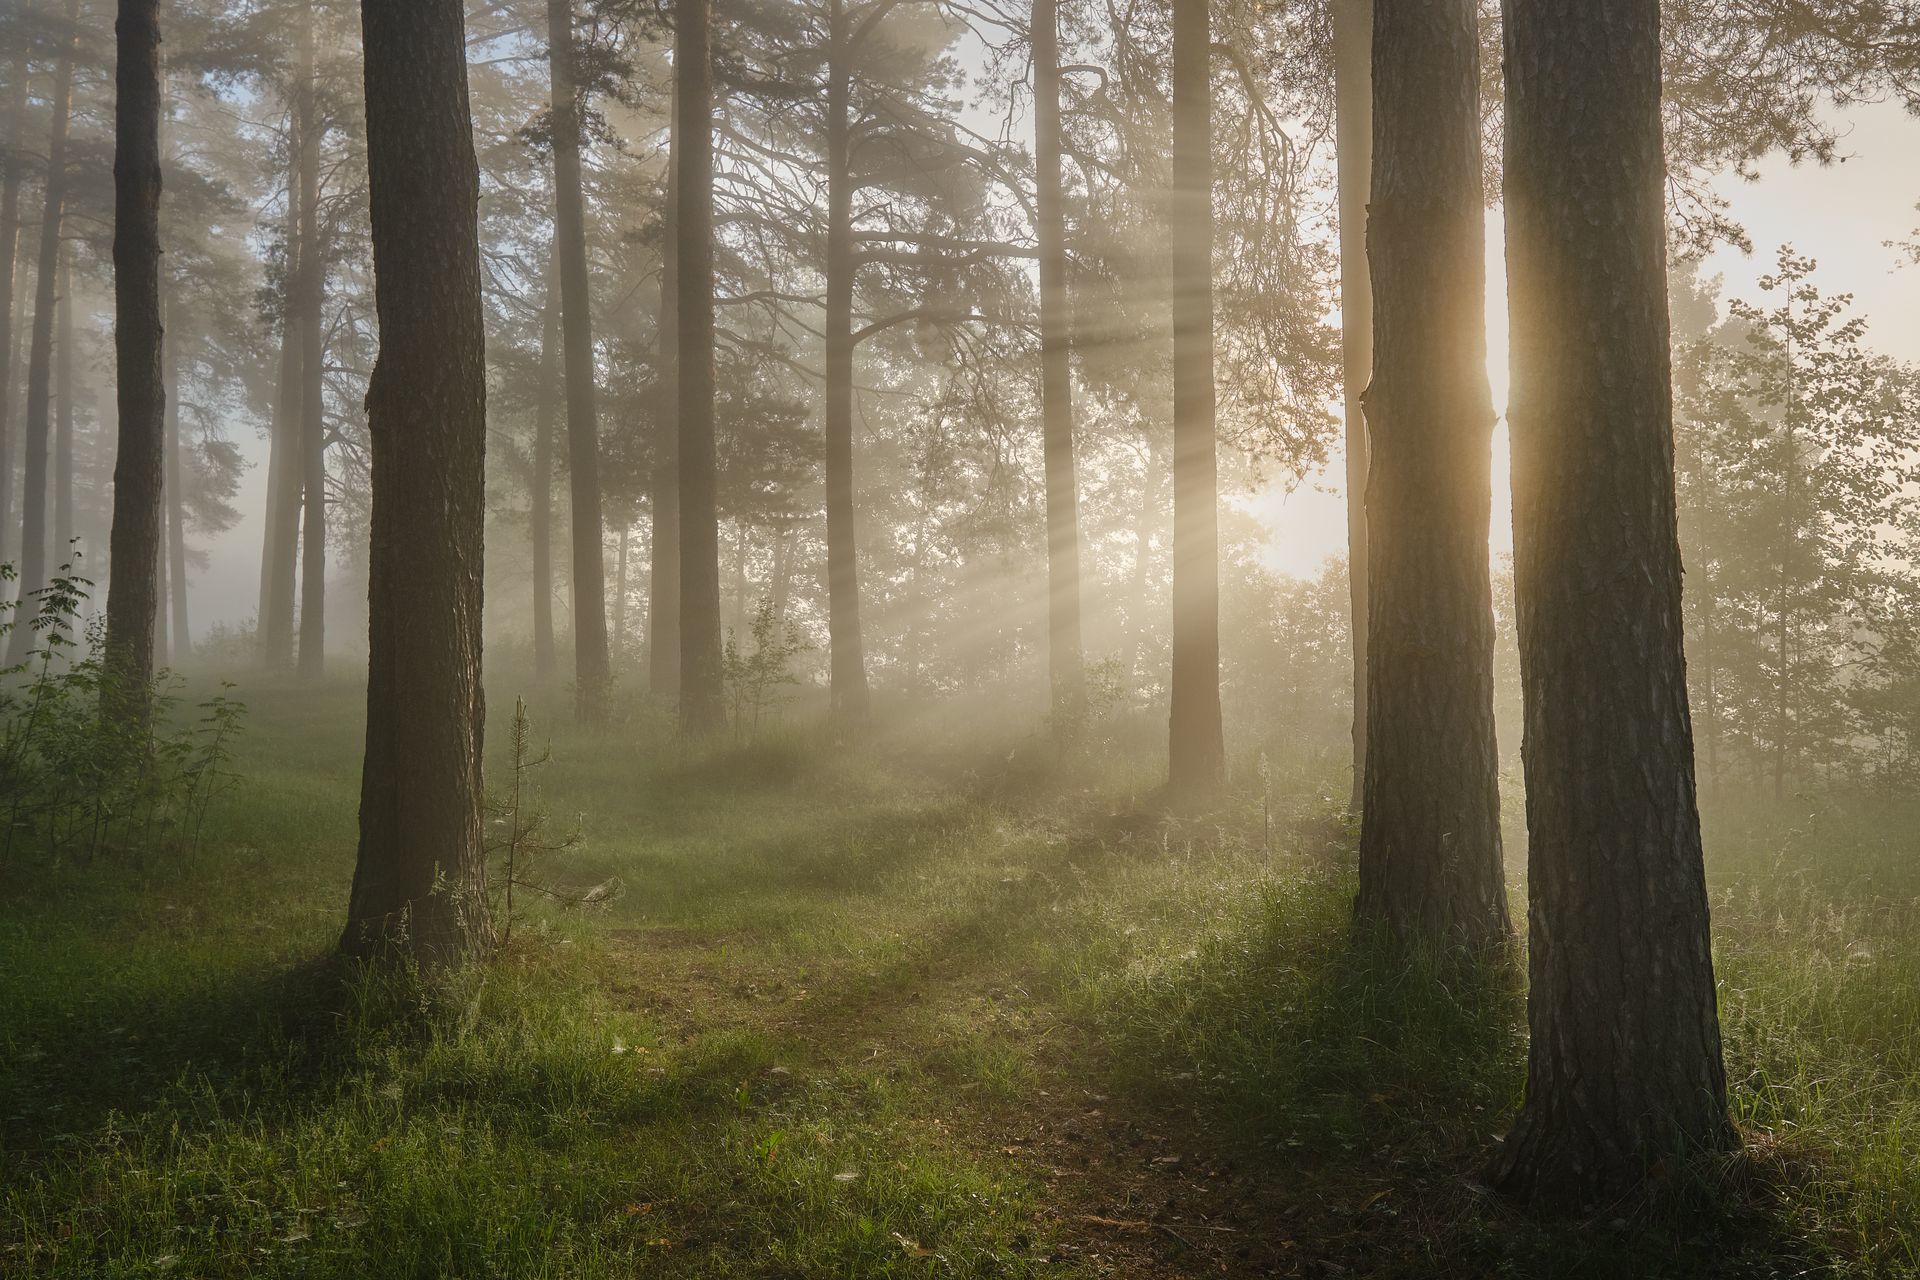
[
  {"x": 419, "y": 886},
  {"x": 1196, "y": 759},
  {"x": 138, "y": 476},
  {"x": 1430, "y": 858},
  {"x": 847, "y": 661},
  {"x": 313, "y": 422},
  {"x": 176, "y": 558},
  {"x": 63, "y": 528},
  {"x": 1353, "y": 149},
  {"x": 702, "y": 690},
  {"x": 663, "y": 583},
  {"x": 592, "y": 670},
  {"x": 1624, "y": 1068},
  {"x": 12, "y": 169},
  {"x": 1065, "y": 663},
  {"x": 281, "y": 543},
  {"x": 34, "y": 559},
  {"x": 540, "y": 508}
]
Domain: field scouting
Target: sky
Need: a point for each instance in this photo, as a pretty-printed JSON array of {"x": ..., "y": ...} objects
[{"x": 1841, "y": 214}]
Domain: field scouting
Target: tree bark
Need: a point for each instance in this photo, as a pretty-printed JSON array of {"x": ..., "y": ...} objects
[
  {"x": 419, "y": 886},
  {"x": 63, "y": 550},
  {"x": 133, "y": 597},
  {"x": 663, "y": 583},
  {"x": 702, "y": 688},
  {"x": 1196, "y": 757},
  {"x": 313, "y": 421},
  {"x": 540, "y": 513},
  {"x": 592, "y": 670},
  {"x": 846, "y": 657},
  {"x": 34, "y": 564},
  {"x": 12, "y": 169},
  {"x": 1624, "y": 1069},
  {"x": 1353, "y": 152},
  {"x": 1430, "y": 859},
  {"x": 1065, "y": 661},
  {"x": 280, "y": 545},
  {"x": 176, "y": 560}
]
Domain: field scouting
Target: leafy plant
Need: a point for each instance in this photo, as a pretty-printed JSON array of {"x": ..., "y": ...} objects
[{"x": 755, "y": 681}]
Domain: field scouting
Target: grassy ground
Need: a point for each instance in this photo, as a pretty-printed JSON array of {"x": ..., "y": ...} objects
[{"x": 943, "y": 1005}]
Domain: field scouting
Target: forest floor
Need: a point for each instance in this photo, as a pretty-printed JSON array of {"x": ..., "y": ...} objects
[{"x": 945, "y": 1003}]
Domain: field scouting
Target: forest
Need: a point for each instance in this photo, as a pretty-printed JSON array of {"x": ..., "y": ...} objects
[{"x": 959, "y": 638}]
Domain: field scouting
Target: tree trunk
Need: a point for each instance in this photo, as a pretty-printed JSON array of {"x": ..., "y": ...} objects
[
  {"x": 592, "y": 670},
  {"x": 1196, "y": 758},
  {"x": 313, "y": 419},
  {"x": 34, "y": 565},
  {"x": 133, "y": 598},
  {"x": 1430, "y": 860},
  {"x": 176, "y": 511},
  {"x": 419, "y": 887},
  {"x": 702, "y": 688},
  {"x": 619, "y": 637},
  {"x": 281, "y": 544},
  {"x": 1065, "y": 661},
  {"x": 12, "y": 168},
  {"x": 846, "y": 654},
  {"x": 1353, "y": 148},
  {"x": 663, "y": 584},
  {"x": 540, "y": 513},
  {"x": 1624, "y": 1068},
  {"x": 63, "y": 549}
]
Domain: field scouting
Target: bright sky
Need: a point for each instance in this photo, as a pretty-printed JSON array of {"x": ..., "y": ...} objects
[{"x": 1842, "y": 215}]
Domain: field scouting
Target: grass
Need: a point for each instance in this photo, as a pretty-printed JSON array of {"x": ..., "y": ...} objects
[{"x": 944, "y": 1003}]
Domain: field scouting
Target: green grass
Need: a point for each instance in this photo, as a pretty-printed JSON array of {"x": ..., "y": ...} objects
[{"x": 944, "y": 1003}]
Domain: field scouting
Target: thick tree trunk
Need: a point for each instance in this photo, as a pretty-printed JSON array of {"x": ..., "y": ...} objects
[
  {"x": 1065, "y": 662},
  {"x": 281, "y": 543},
  {"x": 1430, "y": 861},
  {"x": 133, "y": 598},
  {"x": 1196, "y": 758},
  {"x": 847, "y": 661},
  {"x": 1353, "y": 148},
  {"x": 1624, "y": 1068},
  {"x": 34, "y": 558},
  {"x": 540, "y": 512},
  {"x": 592, "y": 671},
  {"x": 419, "y": 887},
  {"x": 176, "y": 558},
  {"x": 663, "y": 584},
  {"x": 12, "y": 169},
  {"x": 313, "y": 421},
  {"x": 64, "y": 552},
  {"x": 702, "y": 689}
]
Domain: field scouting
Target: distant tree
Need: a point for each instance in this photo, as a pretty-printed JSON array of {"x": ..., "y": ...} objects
[
  {"x": 1353, "y": 158},
  {"x": 35, "y": 562},
  {"x": 1430, "y": 859},
  {"x": 703, "y": 707},
  {"x": 419, "y": 886},
  {"x": 663, "y": 584},
  {"x": 138, "y": 473},
  {"x": 1196, "y": 743},
  {"x": 592, "y": 659},
  {"x": 13, "y": 167},
  {"x": 1624, "y": 1064}
]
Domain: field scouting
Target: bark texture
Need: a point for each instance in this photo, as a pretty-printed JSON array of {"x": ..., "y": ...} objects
[
  {"x": 1196, "y": 744},
  {"x": 847, "y": 661},
  {"x": 311, "y": 292},
  {"x": 1353, "y": 153},
  {"x": 133, "y": 597},
  {"x": 702, "y": 690},
  {"x": 1065, "y": 663},
  {"x": 34, "y": 552},
  {"x": 592, "y": 661},
  {"x": 419, "y": 887},
  {"x": 1430, "y": 859},
  {"x": 12, "y": 171},
  {"x": 663, "y": 583},
  {"x": 1624, "y": 1069}
]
